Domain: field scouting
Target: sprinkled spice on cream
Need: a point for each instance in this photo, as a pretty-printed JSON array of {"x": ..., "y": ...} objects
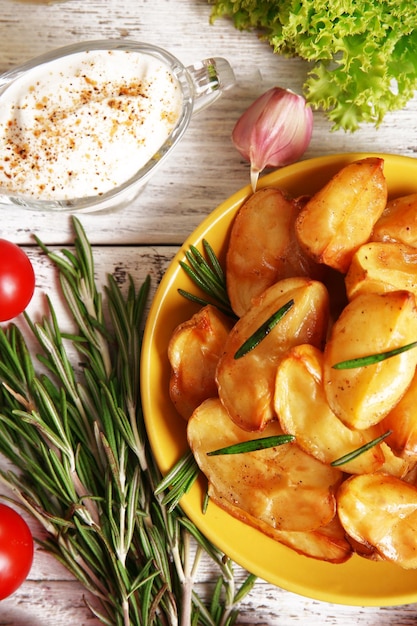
[{"x": 83, "y": 124}]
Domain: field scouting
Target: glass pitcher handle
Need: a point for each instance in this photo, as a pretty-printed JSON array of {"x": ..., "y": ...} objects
[{"x": 211, "y": 77}]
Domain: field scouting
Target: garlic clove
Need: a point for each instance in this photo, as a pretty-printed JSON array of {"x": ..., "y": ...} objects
[{"x": 274, "y": 131}]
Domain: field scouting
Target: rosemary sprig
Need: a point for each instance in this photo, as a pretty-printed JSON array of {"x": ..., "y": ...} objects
[
  {"x": 350, "y": 456},
  {"x": 371, "y": 359},
  {"x": 253, "y": 445},
  {"x": 71, "y": 423},
  {"x": 263, "y": 330},
  {"x": 206, "y": 273},
  {"x": 178, "y": 481}
]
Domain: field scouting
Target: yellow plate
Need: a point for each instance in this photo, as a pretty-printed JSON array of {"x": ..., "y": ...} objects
[{"x": 357, "y": 582}]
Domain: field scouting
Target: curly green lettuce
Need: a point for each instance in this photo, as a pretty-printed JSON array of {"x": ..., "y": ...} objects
[{"x": 363, "y": 53}]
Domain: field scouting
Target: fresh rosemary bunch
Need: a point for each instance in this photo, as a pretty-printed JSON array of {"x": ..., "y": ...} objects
[{"x": 71, "y": 424}]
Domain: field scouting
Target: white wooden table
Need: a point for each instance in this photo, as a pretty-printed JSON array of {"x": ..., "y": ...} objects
[{"x": 143, "y": 237}]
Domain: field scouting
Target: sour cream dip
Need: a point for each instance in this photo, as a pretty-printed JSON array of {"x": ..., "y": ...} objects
[{"x": 83, "y": 124}]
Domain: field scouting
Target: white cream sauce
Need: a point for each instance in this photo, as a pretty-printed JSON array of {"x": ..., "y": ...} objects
[{"x": 83, "y": 124}]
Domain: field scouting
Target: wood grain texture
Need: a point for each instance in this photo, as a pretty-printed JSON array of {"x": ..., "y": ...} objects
[
  {"x": 206, "y": 168},
  {"x": 143, "y": 237}
]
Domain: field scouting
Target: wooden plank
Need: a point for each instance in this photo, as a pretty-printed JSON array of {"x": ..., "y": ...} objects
[{"x": 205, "y": 168}]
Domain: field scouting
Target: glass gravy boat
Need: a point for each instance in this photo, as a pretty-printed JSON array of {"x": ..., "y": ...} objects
[{"x": 197, "y": 86}]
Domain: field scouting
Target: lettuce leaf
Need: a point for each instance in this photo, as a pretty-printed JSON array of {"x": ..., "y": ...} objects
[{"x": 363, "y": 54}]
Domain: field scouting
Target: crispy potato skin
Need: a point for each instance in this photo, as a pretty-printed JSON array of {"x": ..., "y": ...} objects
[
  {"x": 246, "y": 385},
  {"x": 263, "y": 248},
  {"x": 379, "y": 510},
  {"x": 402, "y": 420},
  {"x": 381, "y": 267},
  {"x": 193, "y": 352},
  {"x": 282, "y": 487},
  {"x": 303, "y": 411},
  {"x": 398, "y": 222},
  {"x": 341, "y": 216},
  {"x": 370, "y": 324},
  {"x": 395, "y": 463},
  {"x": 327, "y": 543}
]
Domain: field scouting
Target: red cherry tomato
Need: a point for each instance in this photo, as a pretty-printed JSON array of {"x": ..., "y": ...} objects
[
  {"x": 16, "y": 550},
  {"x": 17, "y": 280}
]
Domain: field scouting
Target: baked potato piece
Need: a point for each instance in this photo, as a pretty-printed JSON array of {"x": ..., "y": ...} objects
[
  {"x": 342, "y": 214},
  {"x": 303, "y": 411},
  {"x": 327, "y": 543},
  {"x": 370, "y": 324},
  {"x": 402, "y": 421},
  {"x": 398, "y": 222},
  {"x": 246, "y": 385},
  {"x": 411, "y": 475},
  {"x": 394, "y": 464},
  {"x": 282, "y": 487},
  {"x": 381, "y": 511},
  {"x": 193, "y": 352},
  {"x": 263, "y": 248},
  {"x": 380, "y": 267},
  {"x": 363, "y": 550}
]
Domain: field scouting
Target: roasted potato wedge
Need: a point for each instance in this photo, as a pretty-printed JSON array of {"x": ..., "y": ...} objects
[
  {"x": 263, "y": 248},
  {"x": 381, "y": 511},
  {"x": 394, "y": 464},
  {"x": 411, "y": 475},
  {"x": 370, "y": 324},
  {"x": 282, "y": 487},
  {"x": 193, "y": 352},
  {"x": 303, "y": 411},
  {"x": 380, "y": 267},
  {"x": 398, "y": 222},
  {"x": 327, "y": 543},
  {"x": 341, "y": 216},
  {"x": 402, "y": 421},
  {"x": 246, "y": 385}
]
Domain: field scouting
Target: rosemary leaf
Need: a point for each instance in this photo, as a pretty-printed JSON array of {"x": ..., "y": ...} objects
[
  {"x": 214, "y": 261},
  {"x": 263, "y": 330},
  {"x": 245, "y": 588},
  {"x": 253, "y": 445},
  {"x": 215, "y": 604},
  {"x": 204, "y": 615},
  {"x": 177, "y": 472},
  {"x": 178, "y": 481},
  {"x": 203, "y": 301},
  {"x": 10, "y": 345},
  {"x": 59, "y": 260},
  {"x": 216, "y": 555},
  {"x": 85, "y": 258},
  {"x": 206, "y": 501},
  {"x": 355, "y": 453},
  {"x": 208, "y": 276},
  {"x": 371, "y": 359}
]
